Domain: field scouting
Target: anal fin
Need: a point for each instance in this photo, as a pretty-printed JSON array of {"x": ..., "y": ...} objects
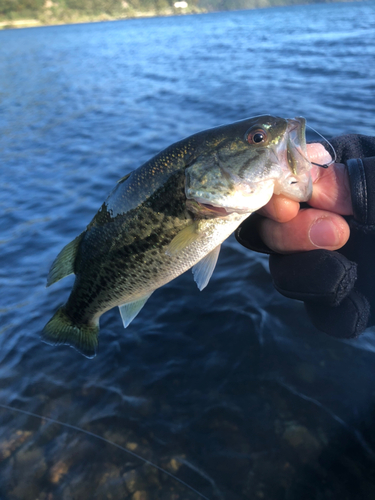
[
  {"x": 130, "y": 310},
  {"x": 202, "y": 271}
]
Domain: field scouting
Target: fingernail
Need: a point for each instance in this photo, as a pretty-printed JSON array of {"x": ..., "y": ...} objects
[{"x": 323, "y": 233}]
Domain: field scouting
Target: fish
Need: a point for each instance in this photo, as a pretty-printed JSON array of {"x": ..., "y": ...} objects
[{"x": 171, "y": 214}]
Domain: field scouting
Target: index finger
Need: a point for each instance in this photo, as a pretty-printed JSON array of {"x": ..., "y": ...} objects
[{"x": 331, "y": 190}]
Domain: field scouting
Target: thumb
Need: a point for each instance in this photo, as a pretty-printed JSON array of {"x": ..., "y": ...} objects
[{"x": 309, "y": 230}]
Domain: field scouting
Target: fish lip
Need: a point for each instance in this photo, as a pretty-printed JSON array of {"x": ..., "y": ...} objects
[
  {"x": 214, "y": 209},
  {"x": 296, "y": 143},
  {"x": 295, "y": 181},
  {"x": 209, "y": 210}
]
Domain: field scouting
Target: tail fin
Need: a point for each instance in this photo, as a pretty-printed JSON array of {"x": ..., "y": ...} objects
[{"x": 61, "y": 330}]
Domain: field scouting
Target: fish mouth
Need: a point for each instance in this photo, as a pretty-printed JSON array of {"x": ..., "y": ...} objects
[
  {"x": 206, "y": 210},
  {"x": 239, "y": 202},
  {"x": 295, "y": 182},
  {"x": 215, "y": 210},
  {"x": 296, "y": 144}
]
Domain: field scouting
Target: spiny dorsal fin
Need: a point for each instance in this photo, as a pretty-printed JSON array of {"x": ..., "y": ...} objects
[
  {"x": 202, "y": 271},
  {"x": 63, "y": 265},
  {"x": 130, "y": 310},
  {"x": 123, "y": 179},
  {"x": 183, "y": 239}
]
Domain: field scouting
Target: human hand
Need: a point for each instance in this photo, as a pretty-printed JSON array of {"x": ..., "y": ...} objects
[
  {"x": 286, "y": 228},
  {"x": 323, "y": 279}
]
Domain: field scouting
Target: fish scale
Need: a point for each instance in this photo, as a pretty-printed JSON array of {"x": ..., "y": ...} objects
[
  {"x": 133, "y": 244},
  {"x": 170, "y": 215}
]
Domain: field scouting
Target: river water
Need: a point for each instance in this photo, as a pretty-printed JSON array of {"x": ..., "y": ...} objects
[{"x": 230, "y": 389}]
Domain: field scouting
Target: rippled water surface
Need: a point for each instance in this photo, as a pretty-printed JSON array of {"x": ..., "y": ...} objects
[{"x": 231, "y": 389}]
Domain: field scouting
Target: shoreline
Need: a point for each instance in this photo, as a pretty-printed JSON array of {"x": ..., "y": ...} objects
[
  {"x": 48, "y": 19},
  {"x": 83, "y": 19}
]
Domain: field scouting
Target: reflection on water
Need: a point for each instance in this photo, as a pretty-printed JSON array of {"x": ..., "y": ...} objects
[{"x": 231, "y": 390}]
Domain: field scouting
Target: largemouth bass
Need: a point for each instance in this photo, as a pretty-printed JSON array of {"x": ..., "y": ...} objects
[{"x": 172, "y": 214}]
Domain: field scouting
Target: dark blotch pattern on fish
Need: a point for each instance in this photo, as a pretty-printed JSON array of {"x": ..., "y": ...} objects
[{"x": 127, "y": 252}]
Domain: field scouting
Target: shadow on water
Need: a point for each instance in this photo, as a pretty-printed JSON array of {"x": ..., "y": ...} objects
[
  {"x": 11, "y": 445},
  {"x": 305, "y": 455}
]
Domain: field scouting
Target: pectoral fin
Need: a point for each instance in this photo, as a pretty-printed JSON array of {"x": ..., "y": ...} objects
[
  {"x": 202, "y": 271},
  {"x": 183, "y": 239},
  {"x": 63, "y": 265},
  {"x": 130, "y": 310}
]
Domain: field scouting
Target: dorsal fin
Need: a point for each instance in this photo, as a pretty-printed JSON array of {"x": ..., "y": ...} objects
[
  {"x": 123, "y": 179},
  {"x": 63, "y": 265},
  {"x": 130, "y": 310},
  {"x": 202, "y": 271}
]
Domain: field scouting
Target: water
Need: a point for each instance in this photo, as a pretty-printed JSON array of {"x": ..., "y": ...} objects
[{"x": 232, "y": 390}]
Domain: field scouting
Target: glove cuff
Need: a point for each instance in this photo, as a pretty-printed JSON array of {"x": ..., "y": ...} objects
[
  {"x": 319, "y": 276},
  {"x": 362, "y": 188},
  {"x": 346, "y": 321}
]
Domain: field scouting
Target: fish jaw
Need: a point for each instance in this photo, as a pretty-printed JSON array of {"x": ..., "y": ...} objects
[{"x": 295, "y": 181}]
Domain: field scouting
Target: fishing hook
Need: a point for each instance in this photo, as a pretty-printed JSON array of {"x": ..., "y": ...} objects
[{"x": 325, "y": 165}]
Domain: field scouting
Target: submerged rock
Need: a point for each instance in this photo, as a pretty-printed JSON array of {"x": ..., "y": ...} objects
[
  {"x": 141, "y": 495},
  {"x": 111, "y": 485},
  {"x": 29, "y": 466},
  {"x": 302, "y": 440},
  {"x": 11, "y": 444}
]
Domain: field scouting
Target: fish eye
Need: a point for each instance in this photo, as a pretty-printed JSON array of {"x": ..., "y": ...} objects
[{"x": 258, "y": 136}]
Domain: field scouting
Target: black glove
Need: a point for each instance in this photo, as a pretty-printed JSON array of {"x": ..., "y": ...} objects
[{"x": 338, "y": 288}]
